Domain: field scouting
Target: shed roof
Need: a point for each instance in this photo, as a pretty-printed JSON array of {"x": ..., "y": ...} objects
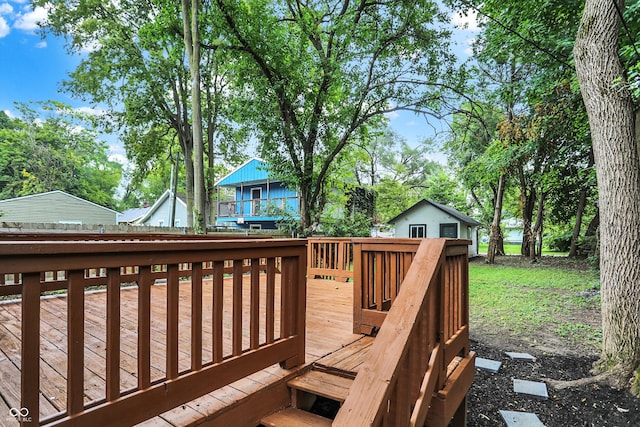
[{"x": 447, "y": 209}]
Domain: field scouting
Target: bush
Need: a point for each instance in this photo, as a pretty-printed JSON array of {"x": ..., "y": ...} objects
[
  {"x": 560, "y": 242},
  {"x": 350, "y": 226}
]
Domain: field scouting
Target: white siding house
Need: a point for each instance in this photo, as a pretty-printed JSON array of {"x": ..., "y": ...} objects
[
  {"x": 55, "y": 207},
  {"x": 430, "y": 219},
  {"x": 159, "y": 215}
]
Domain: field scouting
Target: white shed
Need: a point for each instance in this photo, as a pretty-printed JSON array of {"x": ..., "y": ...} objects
[{"x": 430, "y": 219}]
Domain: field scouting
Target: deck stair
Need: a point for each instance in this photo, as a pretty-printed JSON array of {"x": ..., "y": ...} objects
[{"x": 304, "y": 391}]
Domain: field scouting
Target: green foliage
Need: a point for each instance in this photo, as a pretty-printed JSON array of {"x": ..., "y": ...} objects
[
  {"x": 357, "y": 225},
  {"x": 303, "y": 77},
  {"x": 51, "y": 149},
  {"x": 559, "y": 242}
]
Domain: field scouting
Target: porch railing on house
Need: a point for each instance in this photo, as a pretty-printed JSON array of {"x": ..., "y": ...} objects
[
  {"x": 271, "y": 207},
  {"x": 30, "y": 268},
  {"x": 408, "y": 376}
]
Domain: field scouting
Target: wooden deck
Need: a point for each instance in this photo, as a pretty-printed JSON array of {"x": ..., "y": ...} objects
[{"x": 329, "y": 328}]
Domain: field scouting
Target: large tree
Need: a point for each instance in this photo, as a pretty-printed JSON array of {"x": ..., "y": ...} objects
[
  {"x": 614, "y": 123},
  {"x": 135, "y": 61},
  {"x": 316, "y": 73},
  {"x": 52, "y": 147}
]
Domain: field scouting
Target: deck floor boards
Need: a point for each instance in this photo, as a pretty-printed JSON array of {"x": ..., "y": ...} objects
[{"x": 329, "y": 329}]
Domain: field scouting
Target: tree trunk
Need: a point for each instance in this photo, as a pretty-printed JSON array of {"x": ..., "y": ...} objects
[
  {"x": 495, "y": 234},
  {"x": 528, "y": 201},
  {"x": 582, "y": 202},
  {"x": 192, "y": 46},
  {"x": 573, "y": 249},
  {"x": 611, "y": 118},
  {"x": 535, "y": 249}
]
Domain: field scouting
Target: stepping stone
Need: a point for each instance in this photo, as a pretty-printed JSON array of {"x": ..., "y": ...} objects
[
  {"x": 488, "y": 364},
  {"x": 520, "y": 356},
  {"x": 531, "y": 388},
  {"x": 521, "y": 419}
]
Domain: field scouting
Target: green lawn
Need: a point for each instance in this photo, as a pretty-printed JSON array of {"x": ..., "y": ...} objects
[
  {"x": 525, "y": 300},
  {"x": 514, "y": 249}
]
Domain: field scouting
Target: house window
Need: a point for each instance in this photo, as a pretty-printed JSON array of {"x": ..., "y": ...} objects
[
  {"x": 449, "y": 230},
  {"x": 255, "y": 226},
  {"x": 418, "y": 231}
]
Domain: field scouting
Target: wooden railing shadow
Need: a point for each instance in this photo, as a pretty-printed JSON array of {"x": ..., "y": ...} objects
[
  {"x": 277, "y": 336},
  {"x": 419, "y": 367}
]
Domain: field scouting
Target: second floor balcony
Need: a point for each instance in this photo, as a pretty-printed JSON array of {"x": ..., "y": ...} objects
[{"x": 269, "y": 208}]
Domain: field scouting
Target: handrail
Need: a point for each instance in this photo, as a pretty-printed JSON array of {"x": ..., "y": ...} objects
[
  {"x": 74, "y": 264},
  {"x": 66, "y": 236},
  {"x": 330, "y": 257},
  {"x": 423, "y": 330}
]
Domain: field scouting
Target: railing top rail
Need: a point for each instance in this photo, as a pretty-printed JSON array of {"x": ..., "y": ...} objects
[
  {"x": 56, "y": 236},
  {"x": 51, "y": 255},
  {"x": 330, "y": 239},
  {"x": 407, "y": 240}
]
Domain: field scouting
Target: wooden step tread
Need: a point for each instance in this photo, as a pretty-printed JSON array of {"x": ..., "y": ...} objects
[
  {"x": 292, "y": 417},
  {"x": 323, "y": 384}
]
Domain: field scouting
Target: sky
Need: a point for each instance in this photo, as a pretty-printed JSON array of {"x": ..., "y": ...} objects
[{"x": 32, "y": 68}]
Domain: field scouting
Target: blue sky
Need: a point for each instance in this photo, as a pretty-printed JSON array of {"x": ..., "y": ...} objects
[{"x": 31, "y": 69}]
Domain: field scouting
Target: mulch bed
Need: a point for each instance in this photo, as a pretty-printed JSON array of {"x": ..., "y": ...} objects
[{"x": 589, "y": 405}]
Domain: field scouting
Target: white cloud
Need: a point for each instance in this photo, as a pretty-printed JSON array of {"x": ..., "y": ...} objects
[
  {"x": 4, "y": 28},
  {"x": 9, "y": 114},
  {"x": 391, "y": 115},
  {"x": 120, "y": 159},
  {"x": 470, "y": 42},
  {"x": 91, "y": 111},
  {"x": 29, "y": 20},
  {"x": 5, "y": 9},
  {"x": 466, "y": 21},
  {"x": 41, "y": 45}
]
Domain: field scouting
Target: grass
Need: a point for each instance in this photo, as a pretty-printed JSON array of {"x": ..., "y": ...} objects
[
  {"x": 523, "y": 301},
  {"x": 514, "y": 249}
]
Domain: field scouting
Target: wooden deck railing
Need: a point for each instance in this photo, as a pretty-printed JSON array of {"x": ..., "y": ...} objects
[
  {"x": 330, "y": 258},
  {"x": 380, "y": 266},
  {"x": 273, "y": 337},
  {"x": 424, "y": 330}
]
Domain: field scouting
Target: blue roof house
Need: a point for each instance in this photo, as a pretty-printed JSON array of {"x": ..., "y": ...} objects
[{"x": 256, "y": 194}]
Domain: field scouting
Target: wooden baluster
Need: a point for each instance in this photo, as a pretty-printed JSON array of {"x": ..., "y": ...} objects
[
  {"x": 196, "y": 316},
  {"x": 379, "y": 281},
  {"x": 270, "y": 300},
  {"x": 237, "y": 307},
  {"x": 359, "y": 290},
  {"x": 218, "y": 310},
  {"x": 113, "y": 334},
  {"x": 75, "y": 342},
  {"x": 395, "y": 278},
  {"x": 144, "y": 327},
  {"x": 173, "y": 294},
  {"x": 254, "y": 303},
  {"x": 30, "y": 351}
]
